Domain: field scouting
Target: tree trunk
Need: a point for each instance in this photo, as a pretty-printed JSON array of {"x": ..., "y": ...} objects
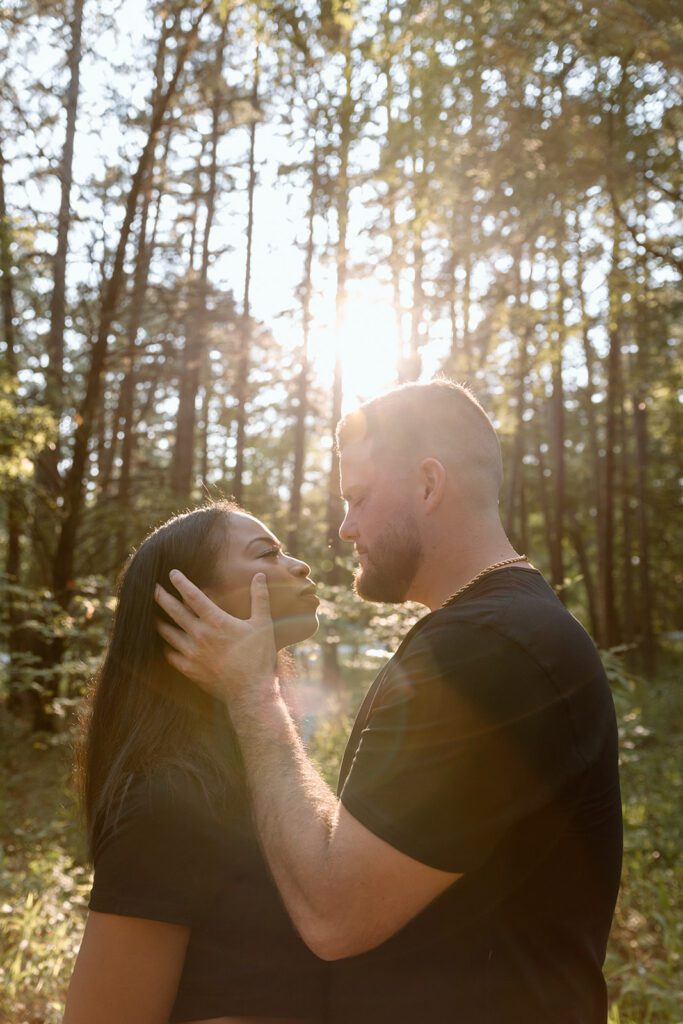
[
  {"x": 126, "y": 410},
  {"x": 627, "y": 589},
  {"x": 47, "y": 478},
  {"x": 205, "y": 425},
  {"x": 195, "y": 340},
  {"x": 576, "y": 537},
  {"x": 242, "y": 381},
  {"x": 192, "y": 360},
  {"x": 640, "y": 425},
  {"x": 646, "y": 591},
  {"x": 55, "y": 340},
  {"x": 543, "y": 474},
  {"x": 394, "y": 230},
  {"x": 302, "y": 382},
  {"x": 467, "y": 312},
  {"x": 12, "y": 497},
  {"x": 557, "y": 430},
  {"x": 607, "y": 590},
  {"x": 593, "y": 435},
  {"x": 411, "y": 361},
  {"x": 334, "y": 503},
  {"x": 522, "y": 327},
  {"x": 74, "y": 488}
]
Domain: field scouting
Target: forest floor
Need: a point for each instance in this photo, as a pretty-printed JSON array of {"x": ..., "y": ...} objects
[{"x": 45, "y": 880}]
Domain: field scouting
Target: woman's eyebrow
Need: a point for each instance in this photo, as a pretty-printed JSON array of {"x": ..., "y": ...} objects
[{"x": 264, "y": 540}]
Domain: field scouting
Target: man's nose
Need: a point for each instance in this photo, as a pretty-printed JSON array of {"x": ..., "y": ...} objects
[{"x": 347, "y": 529}]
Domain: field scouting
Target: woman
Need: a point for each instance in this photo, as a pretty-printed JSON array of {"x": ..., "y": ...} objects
[{"x": 184, "y": 923}]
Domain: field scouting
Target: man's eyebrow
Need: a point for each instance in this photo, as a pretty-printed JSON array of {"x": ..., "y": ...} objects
[{"x": 264, "y": 540}]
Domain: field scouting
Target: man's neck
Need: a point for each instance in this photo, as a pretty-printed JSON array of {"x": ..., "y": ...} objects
[{"x": 447, "y": 568}]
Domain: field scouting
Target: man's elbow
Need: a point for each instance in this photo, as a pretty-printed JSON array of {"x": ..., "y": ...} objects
[{"x": 331, "y": 939}]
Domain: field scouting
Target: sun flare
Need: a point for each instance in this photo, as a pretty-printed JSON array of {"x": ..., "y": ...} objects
[{"x": 368, "y": 343}]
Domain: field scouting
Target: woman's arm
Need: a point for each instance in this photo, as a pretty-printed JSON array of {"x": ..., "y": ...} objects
[{"x": 127, "y": 969}]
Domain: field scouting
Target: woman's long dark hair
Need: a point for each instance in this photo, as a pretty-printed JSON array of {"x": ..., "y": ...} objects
[{"x": 141, "y": 714}]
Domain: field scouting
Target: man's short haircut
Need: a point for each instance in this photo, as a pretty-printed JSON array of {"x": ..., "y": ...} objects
[{"x": 440, "y": 419}]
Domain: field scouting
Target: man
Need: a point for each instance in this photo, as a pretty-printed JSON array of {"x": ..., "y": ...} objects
[{"x": 468, "y": 870}]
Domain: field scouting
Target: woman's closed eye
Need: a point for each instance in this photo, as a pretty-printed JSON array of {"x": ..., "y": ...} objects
[{"x": 271, "y": 552}]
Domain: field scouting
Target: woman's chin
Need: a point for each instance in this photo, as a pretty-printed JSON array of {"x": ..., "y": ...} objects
[{"x": 294, "y": 629}]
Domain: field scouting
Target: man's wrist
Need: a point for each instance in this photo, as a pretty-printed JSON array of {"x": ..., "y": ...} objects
[{"x": 257, "y": 699}]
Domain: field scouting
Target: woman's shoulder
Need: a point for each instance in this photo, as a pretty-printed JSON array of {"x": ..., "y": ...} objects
[
  {"x": 160, "y": 851},
  {"x": 170, "y": 786},
  {"x": 166, "y": 802}
]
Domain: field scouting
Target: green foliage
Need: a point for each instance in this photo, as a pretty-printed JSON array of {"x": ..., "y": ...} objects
[
  {"x": 25, "y": 429},
  {"x": 327, "y": 747},
  {"x": 45, "y": 883},
  {"x": 43, "y": 880},
  {"x": 80, "y": 634},
  {"x": 644, "y": 966}
]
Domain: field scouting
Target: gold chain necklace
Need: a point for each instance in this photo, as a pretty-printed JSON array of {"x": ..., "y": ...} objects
[{"x": 484, "y": 572}]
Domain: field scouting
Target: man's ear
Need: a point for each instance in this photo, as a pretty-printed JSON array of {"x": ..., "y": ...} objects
[{"x": 432, "y": 484}]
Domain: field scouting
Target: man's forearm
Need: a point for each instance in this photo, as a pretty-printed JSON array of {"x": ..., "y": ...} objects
[{"x": 295, "y": 811}]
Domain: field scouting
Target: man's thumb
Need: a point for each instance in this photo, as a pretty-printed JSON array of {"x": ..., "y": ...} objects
[{"x": 260, "y": 600}]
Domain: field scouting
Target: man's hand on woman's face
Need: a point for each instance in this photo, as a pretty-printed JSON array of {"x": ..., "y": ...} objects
[{"x": 219, "y": 652}]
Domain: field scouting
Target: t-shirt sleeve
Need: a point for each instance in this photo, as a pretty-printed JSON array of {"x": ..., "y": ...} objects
[
  {"x": 157, "y": 857},
  {"x": 467, "y": 736}
]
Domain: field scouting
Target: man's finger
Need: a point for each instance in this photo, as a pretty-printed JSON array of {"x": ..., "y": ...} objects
[
  {"x": 193, "y": 597},
  {"x": 260, "y": 599},
  {"x": 175, "y": 609},
  {"x": 175, "y": 638},
  {"x": 178, "y": 662}
]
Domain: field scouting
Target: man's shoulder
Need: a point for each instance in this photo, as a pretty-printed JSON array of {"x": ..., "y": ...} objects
[
  {"x": 522, "y": 614},
  {"x": 522, "y": 650}
]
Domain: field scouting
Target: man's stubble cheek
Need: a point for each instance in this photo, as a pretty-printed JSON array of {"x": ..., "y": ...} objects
[{"x": 391, "y": 565}]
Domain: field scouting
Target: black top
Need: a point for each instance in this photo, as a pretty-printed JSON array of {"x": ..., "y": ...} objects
[
  {"x": 488, "y": 746},
  {"x": 167, "y": 856}
]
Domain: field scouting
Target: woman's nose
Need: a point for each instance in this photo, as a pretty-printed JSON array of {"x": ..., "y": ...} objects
[{"x": 299, "y": 568}]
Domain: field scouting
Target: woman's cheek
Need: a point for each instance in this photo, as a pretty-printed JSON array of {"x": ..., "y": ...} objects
[{"x": 237, "y": 597}]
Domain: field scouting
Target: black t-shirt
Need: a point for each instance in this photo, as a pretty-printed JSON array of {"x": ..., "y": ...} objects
[
  {"x": 488, "y": 746},
  {"x": 168, "y": 856}
]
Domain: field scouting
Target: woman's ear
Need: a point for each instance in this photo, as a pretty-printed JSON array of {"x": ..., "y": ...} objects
[{"x": 432, "y": 484}]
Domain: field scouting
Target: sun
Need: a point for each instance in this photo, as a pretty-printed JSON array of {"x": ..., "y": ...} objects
[{"x": 368, "y": 343}]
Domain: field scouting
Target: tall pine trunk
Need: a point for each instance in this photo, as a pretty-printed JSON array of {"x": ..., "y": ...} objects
[
  {"x": 47, "y": 479},
  {"x": 13, "y": 500},
  {"x": 640, "y": 429},
  {"x": 514, "y": 502},
  {"x": 334, "y": 504},
  {"x": 182, "y": 463},
  {"x": 244, "y": 357},
  {"x": 626, "y": 516},
  {"x": 302, "y": 382},
  {"x": 557, "y": 430},
  {"x": 593, "y": 446},
  {"x": 74, "y": 487},
  {"x": 608, "y": 610},
  {"x": 126, "y": 409}
]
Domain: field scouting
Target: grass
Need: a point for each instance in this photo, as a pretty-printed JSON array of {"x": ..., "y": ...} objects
[
  {"x": 644, "y": 966},
  {"x": 44, "y": 880}
]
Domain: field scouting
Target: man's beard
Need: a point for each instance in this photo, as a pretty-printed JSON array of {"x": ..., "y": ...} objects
[{"x": 392, "y": 564}]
